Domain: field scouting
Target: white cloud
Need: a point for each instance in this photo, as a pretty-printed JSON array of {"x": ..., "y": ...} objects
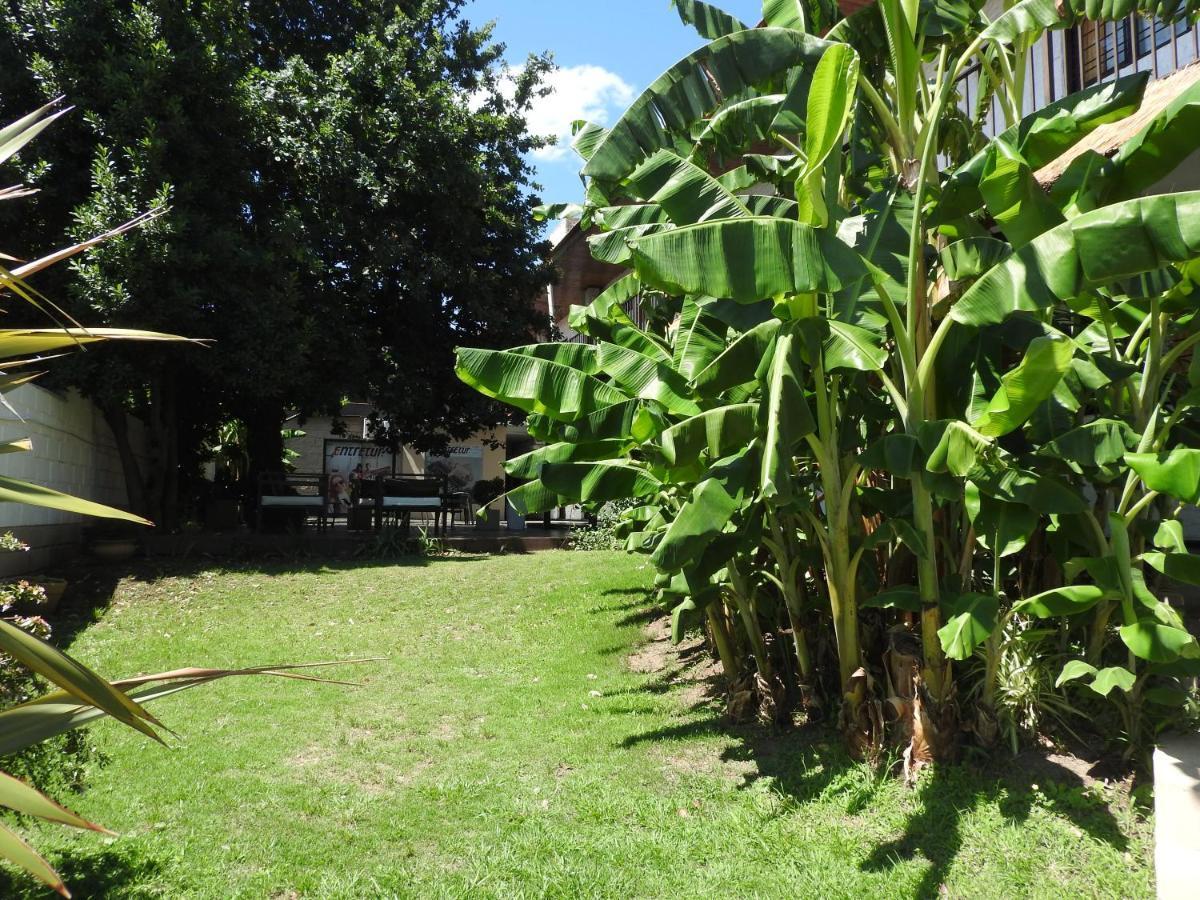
[{"x": 577, "y": 92}]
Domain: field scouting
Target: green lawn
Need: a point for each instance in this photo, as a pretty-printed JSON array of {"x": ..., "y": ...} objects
[{"x": 507, "y": 749}]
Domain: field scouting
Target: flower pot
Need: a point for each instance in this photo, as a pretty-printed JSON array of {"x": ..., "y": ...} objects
[
  {"x": 54, "y": 588},
  {"x": 114, "y": 549},
  {"x": 513, "y": 519}
]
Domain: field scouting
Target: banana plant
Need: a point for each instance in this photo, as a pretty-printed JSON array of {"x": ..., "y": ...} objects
[{"x": 966, "y": 398}]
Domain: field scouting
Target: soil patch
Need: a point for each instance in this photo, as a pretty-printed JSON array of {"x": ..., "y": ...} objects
[
  {"x": 654, "y": 655},
  {"x": 687, "y": 664}
]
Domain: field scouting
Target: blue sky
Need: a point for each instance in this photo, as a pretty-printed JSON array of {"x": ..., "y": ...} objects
[{"x": 607, "y": 51}]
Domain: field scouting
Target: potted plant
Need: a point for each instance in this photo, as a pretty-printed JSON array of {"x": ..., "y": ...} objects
[
  {"x": 485, "y": 492},
  {"x": 113, "y": 541},
  {"x": 52, "y": 589},
  {"x": 36, "y": 595}
]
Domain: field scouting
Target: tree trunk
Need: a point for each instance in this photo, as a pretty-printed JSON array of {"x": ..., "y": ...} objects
[
  {"x": 135, "y": 488},
  {"x": 170, "y": 429},
  {"x": 156, "y": 480},
  {"x": 264, "y": 440}
]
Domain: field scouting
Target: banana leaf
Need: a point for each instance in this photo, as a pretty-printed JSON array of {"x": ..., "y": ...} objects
[
  {"x": 685, "y": 192},
  {"x": 581, "y": 357},
  {"x": 735, "y": 126},
  {"x": 705, "y": 515},
  {"x": 710, "y": 21},
  {"x": 529, "y": 465},
  {"x": 630, "y": 419},
  {"x": 717, "y": 432},
  {"x": 829, "y": 103},
  {"x": 584, "y": 482},
  {"x": 1028, "y": 19},
  {"x": 1175, "y": 473},
  {"x": 971, "y": 620},
  {"x": 533, "y": 497},
  {"x": 533, "y": 384},
  {"x": 1025, "y": 388},
  {"x": 688, "y": 92},
  {"x": 785, "y": 14},
  {"x": 699, "y": 339},
  {"x": 647, "y": 378},
  {"x": 787, "y": 419},
  {"x": 746, "y": 260},
  {"x": 1091, "y": 250},
  {"x": 740, "y": 362}
]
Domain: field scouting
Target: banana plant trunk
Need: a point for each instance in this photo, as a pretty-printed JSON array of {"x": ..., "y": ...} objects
[{"x": 723, "y": 640}]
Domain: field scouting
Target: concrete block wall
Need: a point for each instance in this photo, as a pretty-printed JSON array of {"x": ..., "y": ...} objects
[{"x": 73, "y": 452}]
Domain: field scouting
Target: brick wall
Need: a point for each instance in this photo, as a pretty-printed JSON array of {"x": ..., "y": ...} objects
[{"x": 73, "y": 452}]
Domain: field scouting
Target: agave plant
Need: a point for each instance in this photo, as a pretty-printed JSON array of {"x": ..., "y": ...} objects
[
  {"x": 81, "y": 695},
  {"x": 899, "y": 376}
]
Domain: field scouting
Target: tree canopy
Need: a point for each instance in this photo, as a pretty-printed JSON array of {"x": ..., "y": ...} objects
[{"x": 347, "y": 200}]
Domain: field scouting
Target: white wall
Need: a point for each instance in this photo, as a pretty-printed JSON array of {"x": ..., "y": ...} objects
[{"x": 73, "y": 452}]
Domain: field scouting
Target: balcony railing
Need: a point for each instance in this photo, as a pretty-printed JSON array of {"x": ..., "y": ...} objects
[
  {"x": 1064, "y": 62},
  {"x": 633, "y": 308}
]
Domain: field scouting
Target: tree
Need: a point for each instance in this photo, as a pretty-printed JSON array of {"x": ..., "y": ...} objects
[
  {"x": 422, "y": 237},
  {"x": 300, "y": 238},
  {"x": 906, "y": 397},
  {"x": 79, "y": 695}
]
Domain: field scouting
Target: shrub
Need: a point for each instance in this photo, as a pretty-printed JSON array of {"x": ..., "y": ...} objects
[{"x": 604, "y": 534}]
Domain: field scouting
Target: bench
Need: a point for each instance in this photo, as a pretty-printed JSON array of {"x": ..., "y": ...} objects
[
  {"x": 399, "y": 496},
  {"x": 303, "y": 493}
]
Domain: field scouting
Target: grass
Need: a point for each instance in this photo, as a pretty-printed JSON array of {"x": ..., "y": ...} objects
[{"x": 506, "y": 749}]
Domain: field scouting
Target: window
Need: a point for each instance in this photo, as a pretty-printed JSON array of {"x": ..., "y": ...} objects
[
  {"x": 1162, "y": 34},
  {"x": 1099, "y": 51},
  {"x": 1106, "y": 49}
]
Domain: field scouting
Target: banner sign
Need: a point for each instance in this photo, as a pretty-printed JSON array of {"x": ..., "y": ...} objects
[
  {"x": 461, "y": 466},
  {"x": 358, "y": 459}
]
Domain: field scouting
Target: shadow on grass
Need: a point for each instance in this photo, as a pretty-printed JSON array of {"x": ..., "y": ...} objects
[
  {"x": 640, "y": 616},
  {"x": 947, "y": 793},
  {"x": 807, "y": 763},
  {"x": 89, "y": 873},
  {"x": 637, "y": 606}
]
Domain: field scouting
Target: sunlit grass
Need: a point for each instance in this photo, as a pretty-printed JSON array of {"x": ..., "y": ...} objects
[{"x": 506, "y": 749}]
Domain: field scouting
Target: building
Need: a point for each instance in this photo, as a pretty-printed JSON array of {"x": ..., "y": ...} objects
[{"x": 342, "y": 445}]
